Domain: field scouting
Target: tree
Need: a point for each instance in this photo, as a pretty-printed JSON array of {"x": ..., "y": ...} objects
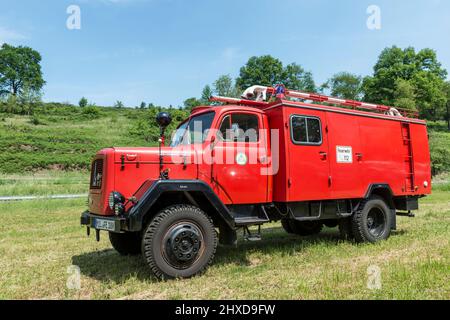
[
  {"x": 224, "y": 86},
  {"x": 83, "y": 102},
  {"x": 206, "y": 94},
  {"x": 191, "y": 103},
  {"x": 345, "y": 85},
  {"x": 19, "y": 68},
  {"x": 118, "y": 104},
  {"x": 268, "y": 71},
  {"x": 264, "y": 70},
  {"x": 421, "y": 69},
  {"x": 143, "y": 105},
  {"x": 296, "y": 78},
  {"x": 29, "y": 99},
  {"x": 404, "y": 96}
]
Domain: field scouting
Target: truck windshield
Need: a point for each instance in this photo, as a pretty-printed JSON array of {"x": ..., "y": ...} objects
[{"x": 193, "y": 131}]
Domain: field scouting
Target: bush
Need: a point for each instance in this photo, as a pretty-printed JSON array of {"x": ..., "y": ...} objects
[
  {"x": 439, "y": 147},
  {"x": 440, "y": 160},
  {"x": 36, "y": 121},
  {"x": 91, "y": 112}
]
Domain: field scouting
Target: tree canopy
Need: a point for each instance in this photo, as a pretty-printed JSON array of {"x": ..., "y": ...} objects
[
  {"x": 345, "y": 85},
  {"x": 224, "y": 86},
  {"x": 83, "y": 102},
  {"x": 268, "y": 71},
  {"x": 421, "y": 70},
  {"x": 19, "y": 69},
  {"x": 206, "y": 94}
]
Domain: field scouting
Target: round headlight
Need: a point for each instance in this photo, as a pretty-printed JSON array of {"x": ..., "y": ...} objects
[{"x": 115, "y": 198}]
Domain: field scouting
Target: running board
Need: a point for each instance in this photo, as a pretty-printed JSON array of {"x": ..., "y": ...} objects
[{"x": 248, "y": 221}]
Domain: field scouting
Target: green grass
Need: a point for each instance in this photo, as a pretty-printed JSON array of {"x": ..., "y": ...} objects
[
  {"x": 44, "y": 183},
  {"x": 41, "y": 239},
  {"x": 59, "y": 144}
]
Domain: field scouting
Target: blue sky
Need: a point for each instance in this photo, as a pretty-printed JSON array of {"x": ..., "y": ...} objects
[{"x": 164, "y": 51}]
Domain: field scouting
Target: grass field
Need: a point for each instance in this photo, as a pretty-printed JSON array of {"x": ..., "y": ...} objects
[{"x": 41, "y": 239}]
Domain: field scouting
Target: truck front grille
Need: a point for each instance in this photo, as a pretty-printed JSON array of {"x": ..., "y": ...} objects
[{"x": 97, "y": 174}]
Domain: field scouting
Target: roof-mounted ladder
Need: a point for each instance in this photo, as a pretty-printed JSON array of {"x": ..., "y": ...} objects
[{"x": 258, "y": 95}]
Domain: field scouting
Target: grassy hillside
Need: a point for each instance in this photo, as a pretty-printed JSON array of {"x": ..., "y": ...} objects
[{"x": 66, "y": 137}]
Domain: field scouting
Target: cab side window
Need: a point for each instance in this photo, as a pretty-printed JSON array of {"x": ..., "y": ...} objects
[
  {"x": 306, "y": 130},
  {"x": 240, "y": 127}
]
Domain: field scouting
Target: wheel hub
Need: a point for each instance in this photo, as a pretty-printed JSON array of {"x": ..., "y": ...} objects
[
  {"x": 370, "y": 222},
  {"x": 182, "y": 244},
  {"x": 376, "y": 222}
]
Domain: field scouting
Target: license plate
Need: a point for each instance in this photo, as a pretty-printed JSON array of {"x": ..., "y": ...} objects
[{"x": 104, "y": 224}]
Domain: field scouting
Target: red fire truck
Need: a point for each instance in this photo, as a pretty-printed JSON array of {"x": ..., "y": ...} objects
[{"x": 269, "y": 156}]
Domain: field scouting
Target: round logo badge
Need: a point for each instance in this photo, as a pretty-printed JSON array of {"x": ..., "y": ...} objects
[{"x": 241, "y": 159}]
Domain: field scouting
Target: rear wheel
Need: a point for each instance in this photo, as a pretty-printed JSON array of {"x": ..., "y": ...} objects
[
  {"x": 128, "y": 243},
  {"x": 372, "y": 222},
  {"x": 180, "y": 241}
]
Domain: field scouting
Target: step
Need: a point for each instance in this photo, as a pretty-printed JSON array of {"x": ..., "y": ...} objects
[{"x": 242, "y": 221}]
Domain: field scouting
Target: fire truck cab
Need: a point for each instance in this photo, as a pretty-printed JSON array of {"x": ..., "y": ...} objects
[{"x": 267, "y": 157}]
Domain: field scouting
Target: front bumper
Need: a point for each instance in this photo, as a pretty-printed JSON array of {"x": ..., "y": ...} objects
[{"x": 89, "y": 220}]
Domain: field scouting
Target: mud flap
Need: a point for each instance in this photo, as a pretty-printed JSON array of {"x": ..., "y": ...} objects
[
  {"x": 227, "y": 236},
  {"x": 393, "y": 220}
]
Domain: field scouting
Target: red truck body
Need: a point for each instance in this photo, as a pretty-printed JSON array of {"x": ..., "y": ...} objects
[
  {"x": 384, "y": 149},
  {"x": 307, "y": 165}
]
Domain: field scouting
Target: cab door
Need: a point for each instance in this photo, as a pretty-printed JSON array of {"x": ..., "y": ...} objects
[
  {"x": 240, "y": 158},
  {"x": 308, "y": 159}
]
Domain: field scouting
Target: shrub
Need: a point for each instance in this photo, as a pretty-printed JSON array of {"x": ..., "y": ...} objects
[
  {"x": 440, "y": 160},
  {"x": 36, "y": 121},
  {"x": 91, "y": 112}
]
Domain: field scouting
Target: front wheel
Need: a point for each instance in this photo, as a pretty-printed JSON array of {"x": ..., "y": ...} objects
[{"x": 180, "y": 241}]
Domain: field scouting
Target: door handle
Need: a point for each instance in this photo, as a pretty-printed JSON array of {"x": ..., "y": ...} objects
[
  {"x": 323, "y": 155},
  {"x": 359, "y": 156},
  {"x": 262, "y": 159}
]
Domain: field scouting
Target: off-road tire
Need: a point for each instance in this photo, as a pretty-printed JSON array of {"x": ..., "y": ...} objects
[
  {"x": 375, "y": 209},
  {"x": 155, "y": 246},
  {"x": 286, "y": 226},
  {"x": 128, "y": 243},
  {"x": 305, "y": 228}
]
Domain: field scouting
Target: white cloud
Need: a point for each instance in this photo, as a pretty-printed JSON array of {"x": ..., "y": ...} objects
[{"x": 7, "y": 35}]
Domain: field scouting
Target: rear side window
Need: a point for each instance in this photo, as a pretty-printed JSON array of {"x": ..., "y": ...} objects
[{"x": 306, "y": 130}]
